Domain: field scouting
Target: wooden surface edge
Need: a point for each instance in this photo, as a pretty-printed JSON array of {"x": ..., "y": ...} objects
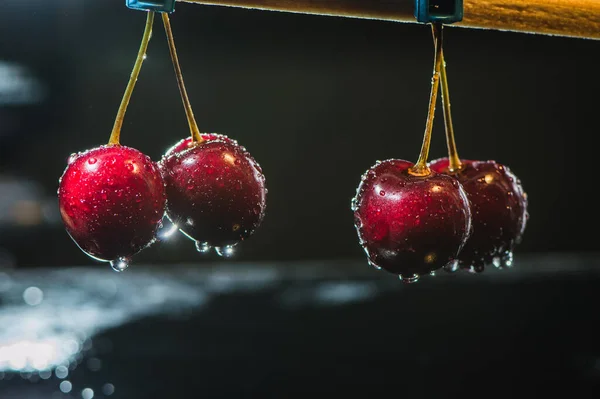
[{"x": 569, "y": 18}]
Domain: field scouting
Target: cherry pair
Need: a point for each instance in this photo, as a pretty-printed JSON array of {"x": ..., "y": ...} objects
[
  {"x": 113, "y": 198},
  {"x": 413, "y": 219}
]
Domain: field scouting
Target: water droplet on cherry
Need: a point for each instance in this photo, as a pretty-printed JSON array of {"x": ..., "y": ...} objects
[
  {"x": 497, "y": 261},
  {"x": 476, "y": 268},
  {"x": 202, "y": 247},
  {"x": 410, "y": 279},
  {"x": 373, "y": 264},
  {"x": 451, "y": 266},
  {"x": 507, "y": 259},
  {"x": 120, "y": 264},
  {"x": 226, "y": 251}
]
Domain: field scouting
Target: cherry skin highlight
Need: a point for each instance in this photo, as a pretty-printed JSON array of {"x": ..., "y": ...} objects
[
  {"x": 216, "y": 191},
  {"x": 111, "y": 200},
  {"x": 410, "y": 225},
  {"x": 186, "y": 143},
  {"x": 499, "y": 208}
]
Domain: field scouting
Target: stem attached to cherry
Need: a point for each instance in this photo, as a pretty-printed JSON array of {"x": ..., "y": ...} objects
[
  {"x": 196, "y": 137},
  {"x": 135, "y": 73},
  {"x": 421, "y": 168},
  {"x": 453, "y": 157}
]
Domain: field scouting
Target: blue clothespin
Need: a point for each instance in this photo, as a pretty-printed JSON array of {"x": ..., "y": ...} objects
[
  {"x": 443, "y": 11},
  {"x": 167, "y": 6}
]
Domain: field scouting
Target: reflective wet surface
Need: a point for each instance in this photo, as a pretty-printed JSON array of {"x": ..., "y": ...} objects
[{"x": 232, "y": 330}]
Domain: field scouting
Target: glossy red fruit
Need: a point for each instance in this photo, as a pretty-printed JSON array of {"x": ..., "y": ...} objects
[
  {"x": 499, "y": 207},
  {"x": 410, "y": 225},
  {"x": 111, "y": 200},
  {"x": 186, "y": 143},
  {"x": 216, "y": 192}
]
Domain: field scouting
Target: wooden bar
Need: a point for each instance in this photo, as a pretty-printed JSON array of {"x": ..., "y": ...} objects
[{"x": 572, "y": 18}]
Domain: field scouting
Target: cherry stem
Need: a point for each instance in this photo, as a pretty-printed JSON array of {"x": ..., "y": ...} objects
[
  {"x": 196, "y": 137},
  {"x": 421, "y": 168},
  {"x": 453, "y": 157},
  {"x": 115, "y": 135}
]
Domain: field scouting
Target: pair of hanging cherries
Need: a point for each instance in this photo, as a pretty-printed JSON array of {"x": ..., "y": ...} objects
[
  {"x": 413, "y": 219},
  {"x": 113, "y": 198}
]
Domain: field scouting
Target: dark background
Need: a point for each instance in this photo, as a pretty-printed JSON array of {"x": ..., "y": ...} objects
[{"x": 316, "y": 100}]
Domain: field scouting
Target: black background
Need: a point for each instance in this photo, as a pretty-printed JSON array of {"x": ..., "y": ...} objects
[{"x": 316, "y": 100}]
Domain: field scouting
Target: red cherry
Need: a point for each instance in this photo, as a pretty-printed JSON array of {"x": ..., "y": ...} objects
[
  {"x": 216, "y": 192},
  {"x": 499, "y": 207},
  {"x": 111, "y": 200},
  {"x": 186, "y": 143},
  {"x": 410, "y": 225}
]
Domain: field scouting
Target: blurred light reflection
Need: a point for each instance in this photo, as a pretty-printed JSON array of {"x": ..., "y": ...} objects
[
  {"x": 48, "y": 318},
  {"x": 87, "y": 393},
  {"x": 18, "y": 86},
  {"x": 108, "y": 389},
  {"x": 66, "y": 386}
]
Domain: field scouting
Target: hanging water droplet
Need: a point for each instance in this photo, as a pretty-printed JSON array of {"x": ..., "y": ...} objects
[
  {"x": 476, "y": 268},
  {"x": 71, "y": 158},
  {"x": 507, "y": 259},
  {"x": 226, "y": 251},
  {"x": 432, "y": 273},
  {"x": 373, "y": 264},
  {"x": 451, "y": 267},
  {"x": 202, "y": 247},
  {"x": 497, "y": 261},
  {"x": 353, "y": 204},
  {"x": 166, "y": 232},
  {"x": 409, "y": 279},
  {"x": 120, "y": 264}
]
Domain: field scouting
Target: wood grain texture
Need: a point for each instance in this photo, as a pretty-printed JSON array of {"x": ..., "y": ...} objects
[{"x": 574, "y": 18}]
